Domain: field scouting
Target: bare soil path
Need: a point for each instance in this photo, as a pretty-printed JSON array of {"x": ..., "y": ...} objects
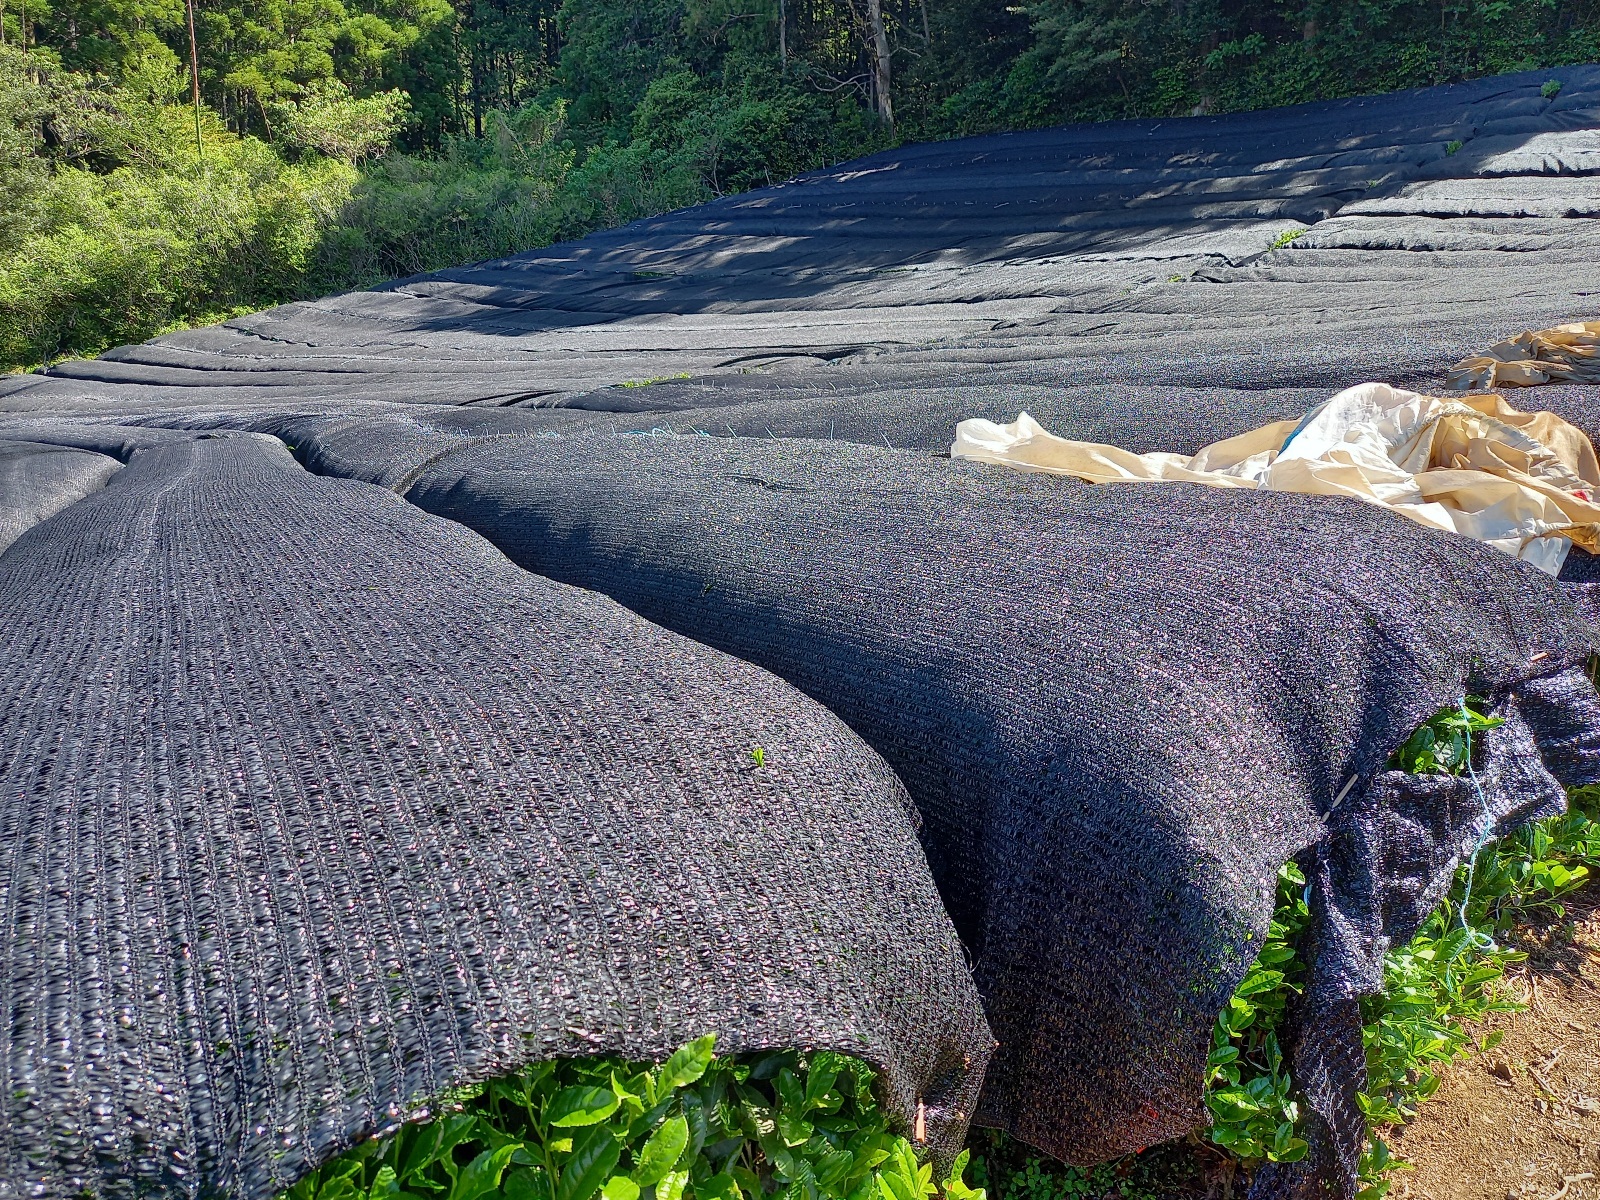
[{"x": 1522, "y": 1121}]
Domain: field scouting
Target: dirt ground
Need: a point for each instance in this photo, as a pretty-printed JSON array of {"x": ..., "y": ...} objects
[{"x": 1522, "y": 1121}]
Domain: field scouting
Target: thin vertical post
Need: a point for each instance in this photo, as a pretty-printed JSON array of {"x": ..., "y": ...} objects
[{"x": 194, "y": 80}]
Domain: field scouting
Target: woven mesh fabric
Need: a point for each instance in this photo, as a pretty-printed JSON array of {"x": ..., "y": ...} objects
[
  {"x": 314, "y": 805},
  {"x": 37, "y": 481},
  {"x": 1119, "y": 709}
]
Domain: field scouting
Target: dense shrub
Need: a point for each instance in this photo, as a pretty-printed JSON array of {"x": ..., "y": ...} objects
[{"x": 115, "y": 228}]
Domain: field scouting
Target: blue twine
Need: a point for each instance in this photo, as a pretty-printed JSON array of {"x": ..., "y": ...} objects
[{"x": 1486, "y": 942}]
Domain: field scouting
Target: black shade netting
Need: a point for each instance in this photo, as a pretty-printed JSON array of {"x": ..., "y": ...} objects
[
  {"x": 1120, "y": 710},
  {"x": 313, "y": 806},
  {"x": 1432, "y": 224},
  {"x": 37, "y": 481}
]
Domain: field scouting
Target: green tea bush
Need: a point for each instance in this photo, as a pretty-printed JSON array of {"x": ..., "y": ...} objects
[
  {"x": 1255, "y": 1114},
  {"x": 807, "y": 1126},
  {"x": 1450, "y": 976},
  {"x": 793, "y": 1125}
]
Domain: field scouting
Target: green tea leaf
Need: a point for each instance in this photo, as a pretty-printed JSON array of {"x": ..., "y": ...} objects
[
  {"x": 525, "y": 1183},
  {"x": 385, "y": 1184},
  {"x": 790, "y": 1094},
  {"x": 833, "y": 1167},
  {"x": 661, "y": 1152},
  {"x": 578, "y": 1106},
  {"x": 686, "y": 1065},
  {"x": 633, "y": 1102},
  {"x": 1292, "y": 1151},
  {"x": 482, "y": 1174},
  {"x": 793, "y": 1130},
  {"x": 824, "y": 1071},
  {"x": 595, "y": 1154}
]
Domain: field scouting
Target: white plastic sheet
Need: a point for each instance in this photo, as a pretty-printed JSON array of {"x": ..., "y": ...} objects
[{"x": 1525, "y": 483}]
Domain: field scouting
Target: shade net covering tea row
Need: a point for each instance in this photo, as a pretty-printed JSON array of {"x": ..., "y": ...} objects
[
  {"x": 38, "y": 481},
  {"x": 1525, "y": 483},
  {"x": 313, "y": 806},
  {"x": 1138, "y": 252},
  {"x": 1119, "y": 710},
  {"x": 1118, "y": 716}
]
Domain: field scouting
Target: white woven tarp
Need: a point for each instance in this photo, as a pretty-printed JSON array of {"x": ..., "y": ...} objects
[{"x": 1525, "y": 483}]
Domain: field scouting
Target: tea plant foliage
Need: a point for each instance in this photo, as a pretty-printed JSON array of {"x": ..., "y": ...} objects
[
  {"x": 799, "y": 1126},
  {"x": 1450, "y": 976},
  {"x": 1441, "y": 744}
]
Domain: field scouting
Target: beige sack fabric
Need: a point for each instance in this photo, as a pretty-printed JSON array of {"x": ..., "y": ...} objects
[
  {"x": 1525, "y": 483},
  {"x": 1569, "y": 353}
]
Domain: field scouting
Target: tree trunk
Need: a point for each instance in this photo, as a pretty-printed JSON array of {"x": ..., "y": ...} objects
[
  {"x": 265, "y": 124},
  {"x": 783, "y": 35},
  {"x": 880, "y": 63}
]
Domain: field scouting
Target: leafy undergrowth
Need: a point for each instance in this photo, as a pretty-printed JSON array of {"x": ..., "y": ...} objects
[{"x": 708, "y": 1127}]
